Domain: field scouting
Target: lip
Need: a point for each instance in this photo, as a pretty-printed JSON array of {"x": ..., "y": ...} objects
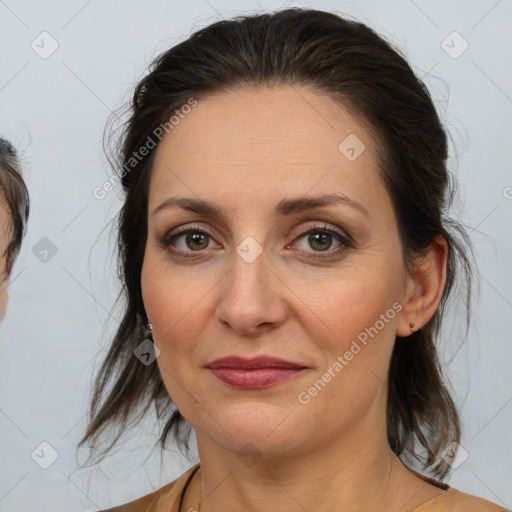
[
  {"x": 258, "y": 362},
  {"x": 253, "y": 373}
]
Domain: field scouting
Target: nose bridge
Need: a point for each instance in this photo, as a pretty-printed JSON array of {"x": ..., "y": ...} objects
[
  {"x": 249, "y": 296},
  {"x": 249, "y": 266}
]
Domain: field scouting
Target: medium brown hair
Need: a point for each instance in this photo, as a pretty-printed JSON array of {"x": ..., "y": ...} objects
[{"x": 351, "y": 63}]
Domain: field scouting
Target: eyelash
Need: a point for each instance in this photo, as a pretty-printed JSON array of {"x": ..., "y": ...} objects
[{"x": 167, "y": 240}]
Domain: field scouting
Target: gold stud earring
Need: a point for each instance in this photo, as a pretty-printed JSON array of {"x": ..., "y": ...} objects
[{"x": 411, "y": 325}]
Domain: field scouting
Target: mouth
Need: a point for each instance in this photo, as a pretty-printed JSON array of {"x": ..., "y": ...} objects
[{"x": 254, "y": 373}]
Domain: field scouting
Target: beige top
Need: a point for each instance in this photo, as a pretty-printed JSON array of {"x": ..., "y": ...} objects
[{"x": 168, "y": 499}]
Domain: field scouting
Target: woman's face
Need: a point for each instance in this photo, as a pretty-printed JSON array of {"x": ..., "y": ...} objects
[{"x": 255, "y": 284}]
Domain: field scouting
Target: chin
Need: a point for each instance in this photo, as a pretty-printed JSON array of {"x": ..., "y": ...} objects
[{"x": 262, "y": 431}]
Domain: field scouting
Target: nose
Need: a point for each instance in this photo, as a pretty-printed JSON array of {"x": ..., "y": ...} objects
[{"x": 252, "y": 297}]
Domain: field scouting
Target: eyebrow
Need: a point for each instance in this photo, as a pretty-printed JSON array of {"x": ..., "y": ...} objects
[{"x": 284, "y": 207}]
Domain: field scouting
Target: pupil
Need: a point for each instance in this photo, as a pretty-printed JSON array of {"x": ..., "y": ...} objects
[
  {"x": 324, "y": 236},
  {"x": 193, "y": 238}
]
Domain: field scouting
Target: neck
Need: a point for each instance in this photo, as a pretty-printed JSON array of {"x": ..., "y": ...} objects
[{"x": 357, "y": 473}]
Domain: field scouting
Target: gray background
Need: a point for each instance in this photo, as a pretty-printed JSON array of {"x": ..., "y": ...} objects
[{"x": 54, "y": 109}]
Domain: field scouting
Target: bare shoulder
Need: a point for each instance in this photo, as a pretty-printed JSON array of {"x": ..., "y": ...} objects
[
  {"x": 454, "y": 500},
  {"x": 470, "y": 503}
]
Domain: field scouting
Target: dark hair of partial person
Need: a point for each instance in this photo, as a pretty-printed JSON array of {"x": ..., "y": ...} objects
[
  {"x": 349, "y": 62},
  {"x": 14, "y": 195}
]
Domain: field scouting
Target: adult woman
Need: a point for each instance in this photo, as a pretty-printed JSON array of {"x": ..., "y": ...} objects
[
  {"x": 14, "y": 211},
  {"x": 277, "y": 133}
]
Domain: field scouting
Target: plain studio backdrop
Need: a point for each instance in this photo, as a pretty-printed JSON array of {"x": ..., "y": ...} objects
[{"x": 64, "y": 67}]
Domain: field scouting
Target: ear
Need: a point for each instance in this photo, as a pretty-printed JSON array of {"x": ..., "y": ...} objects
[{"x": 424, "y": 289}]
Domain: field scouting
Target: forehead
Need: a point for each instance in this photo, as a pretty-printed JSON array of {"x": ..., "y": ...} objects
[{"x": 266, "y": 142}]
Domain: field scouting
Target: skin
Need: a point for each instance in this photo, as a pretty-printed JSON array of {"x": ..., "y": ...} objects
[
  {"x": 246, "y": 151},
  {"x": 4, "y": 241}
]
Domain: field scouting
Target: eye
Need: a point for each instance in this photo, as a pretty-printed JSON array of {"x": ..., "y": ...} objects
[
  {"x": 320, "y": 238},
  {"x": 187, "y": 240},
  {"x": 193, "y": 237}
]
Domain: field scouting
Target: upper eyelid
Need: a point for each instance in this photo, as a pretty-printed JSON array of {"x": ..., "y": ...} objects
[{"x": 317, "y": 225}]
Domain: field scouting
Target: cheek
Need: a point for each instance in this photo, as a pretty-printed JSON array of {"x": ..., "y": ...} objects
[
  {"x": 177, "y": 305},
  {"x": 164, "y": 291},
  {"x": 174, "y": 309},
  {"x": 350, "y": 305},
  {"x": 353, "y": 328},
  {"x": 174, "y": 299},
  {"x": 354, "y": 319}
]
